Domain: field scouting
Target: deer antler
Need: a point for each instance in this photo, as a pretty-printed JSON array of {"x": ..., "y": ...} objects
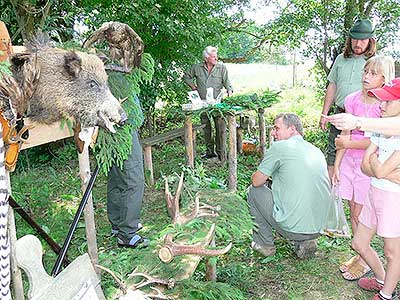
[
  {"x": 125, "y": 45},
  {"x": 135, "y": 293},
  {"x": 171, "y": 249},
  {"x": 203, "y": 210},
  {"x": 151, "y": 280}
]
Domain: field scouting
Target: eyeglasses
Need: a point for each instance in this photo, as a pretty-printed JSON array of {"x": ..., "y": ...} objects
[{"x": 371, "y": 73}]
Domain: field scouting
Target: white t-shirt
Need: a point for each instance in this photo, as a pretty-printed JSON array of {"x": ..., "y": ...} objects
[{"x": 386, "y": 147}]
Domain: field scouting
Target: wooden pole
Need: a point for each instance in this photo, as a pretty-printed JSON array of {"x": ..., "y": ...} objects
[
  {"x": 189, "y": 141},
  {"x": 232, "y": 153},
  {"x": 261, "y": 126},
  {"x": 239, "y": 138},
  {"x": 84, "y": 170},
  {"x": 194, "y": 135},
  {"x": 211, "y": 265},
  {"x": 148, "y": 165},
  {"x": 294, "y": 69}
]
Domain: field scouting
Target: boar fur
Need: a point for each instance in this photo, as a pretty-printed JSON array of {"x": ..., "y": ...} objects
[{"x": 65, "y": 84}]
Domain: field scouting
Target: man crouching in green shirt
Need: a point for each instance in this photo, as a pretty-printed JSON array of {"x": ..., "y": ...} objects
[{"x": 296, "y": 206}]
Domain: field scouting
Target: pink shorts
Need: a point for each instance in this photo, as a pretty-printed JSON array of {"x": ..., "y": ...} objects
[
  {"x": 382, "y": 213},
  {"x": 354, "y": 184}
]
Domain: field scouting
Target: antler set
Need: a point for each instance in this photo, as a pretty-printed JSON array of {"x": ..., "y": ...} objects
[
  {"x": 200, "y": 210},
  {"x": 171, "y": 249},
  {"x": 126, "y": 46},
  {"x": 133, "y": 293}
]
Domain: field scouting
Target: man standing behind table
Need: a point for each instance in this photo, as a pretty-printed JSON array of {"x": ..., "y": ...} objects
[
  {"x": 298, "y": 203},
  {"x": 345, "y": 77},
  {"x": 210, "y": 73}
]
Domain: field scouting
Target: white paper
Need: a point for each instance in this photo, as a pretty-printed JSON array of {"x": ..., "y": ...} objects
[
  {"x": 210, "y": 94},
  {"x": 194, "y": 97}
]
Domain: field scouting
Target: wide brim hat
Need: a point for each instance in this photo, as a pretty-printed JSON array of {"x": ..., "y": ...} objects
[
  {"x": 362, "y": 30},
  {"x": 389, "y": 92}
]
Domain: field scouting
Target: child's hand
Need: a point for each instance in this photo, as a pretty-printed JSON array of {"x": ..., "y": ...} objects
[
  {"x": 335, "y": 176},
  {"x": 341, "y": 141}
]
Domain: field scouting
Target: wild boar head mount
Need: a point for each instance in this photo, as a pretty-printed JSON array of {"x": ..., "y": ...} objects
[{"x": 49, "y": 84}]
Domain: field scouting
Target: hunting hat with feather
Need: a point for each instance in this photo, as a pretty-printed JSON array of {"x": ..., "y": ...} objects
[{"x": 362, "y": 29}]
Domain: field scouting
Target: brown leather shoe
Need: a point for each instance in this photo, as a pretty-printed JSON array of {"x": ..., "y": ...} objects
[{"x": 266, "y": 250}]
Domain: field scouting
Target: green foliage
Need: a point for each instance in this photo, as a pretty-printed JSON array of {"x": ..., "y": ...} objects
[
  {"x": 254, "y": 101},
  {"x": 113, "y": 149},
  {"x": 208, "y": 290},
  {"x": 174, "y": 33}
]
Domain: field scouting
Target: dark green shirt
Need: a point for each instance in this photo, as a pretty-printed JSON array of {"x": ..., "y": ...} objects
[{"x": 217, "y": 79}]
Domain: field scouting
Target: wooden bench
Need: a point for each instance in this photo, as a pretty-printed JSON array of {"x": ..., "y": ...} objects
[{"x": 147, "y": 143}]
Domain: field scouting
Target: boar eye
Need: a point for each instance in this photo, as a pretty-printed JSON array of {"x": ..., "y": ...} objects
[{"x": 93, "y": 84}]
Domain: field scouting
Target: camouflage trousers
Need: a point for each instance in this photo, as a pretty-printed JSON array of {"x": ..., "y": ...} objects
[{"x": 125, "y": 190}]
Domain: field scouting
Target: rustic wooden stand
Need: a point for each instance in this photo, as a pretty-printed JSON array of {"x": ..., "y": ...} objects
[
  {"x": 42, "y": 134},
  {"x": 235, "y": 143}
]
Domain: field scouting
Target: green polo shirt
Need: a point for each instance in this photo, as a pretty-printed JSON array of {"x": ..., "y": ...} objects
[
  {"x": 300, "y": 185},
  {"x": 217, "y": 79},
  {"x": 346, "y": 73}
]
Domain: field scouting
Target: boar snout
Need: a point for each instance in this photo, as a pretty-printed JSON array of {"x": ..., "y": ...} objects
[{"x": 124, "y": 118}]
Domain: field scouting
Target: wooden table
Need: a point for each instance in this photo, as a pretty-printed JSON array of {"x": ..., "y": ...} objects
[{"x": 234, "y": 138}]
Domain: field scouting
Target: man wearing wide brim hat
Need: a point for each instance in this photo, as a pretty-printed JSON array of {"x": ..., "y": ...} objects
[
  {"x": 344, "y": 79},
  {"x": 345, "y": 76}
]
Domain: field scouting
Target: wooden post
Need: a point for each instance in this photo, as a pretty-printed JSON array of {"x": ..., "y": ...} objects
[
  {"x": 84, "y": 169},
  {"x": 148, "y": 165},
  {"x": 189, "y": 141},
  {"x": 194, "y": 134},
  {"x": 232, "y": 153},
  {"x": 211, "y": 265},
  {"x": 261, "y": 126},
  {"x": 239, "y": 138}
]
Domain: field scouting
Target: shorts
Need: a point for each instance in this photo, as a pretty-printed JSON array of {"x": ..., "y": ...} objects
[
  {"x": 382, "y": 213},
  {"x": 354, "y": 184}
]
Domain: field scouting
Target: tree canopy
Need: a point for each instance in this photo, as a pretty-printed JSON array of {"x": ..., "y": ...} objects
[{"x": 176, "y": 31}]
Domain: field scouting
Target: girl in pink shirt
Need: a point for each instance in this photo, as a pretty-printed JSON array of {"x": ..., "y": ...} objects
[{"x": 350, "y": 145}]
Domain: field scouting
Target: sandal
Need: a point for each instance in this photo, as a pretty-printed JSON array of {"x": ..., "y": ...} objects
[
  {"x": 356, "y": 271},
  {"x": 344, "y": 267},
  {"x": 134, "y": 242}
]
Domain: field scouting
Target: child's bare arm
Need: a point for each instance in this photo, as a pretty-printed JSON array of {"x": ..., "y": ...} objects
[
  {"x": 366, "y": 165},
  {"x": 359, "y": 144},
  {"x": 382, "y": 170},
  {"x": 394, "y": 176}
]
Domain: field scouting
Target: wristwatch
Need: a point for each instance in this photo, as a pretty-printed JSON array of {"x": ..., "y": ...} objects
[{"x": 358, "y": 124}]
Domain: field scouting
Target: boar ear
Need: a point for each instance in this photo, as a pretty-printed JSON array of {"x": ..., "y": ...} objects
[{"x": 72, "y": 64}]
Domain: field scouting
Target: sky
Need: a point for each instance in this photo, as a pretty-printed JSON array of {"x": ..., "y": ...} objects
[{"x": 259, "y": 12}]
